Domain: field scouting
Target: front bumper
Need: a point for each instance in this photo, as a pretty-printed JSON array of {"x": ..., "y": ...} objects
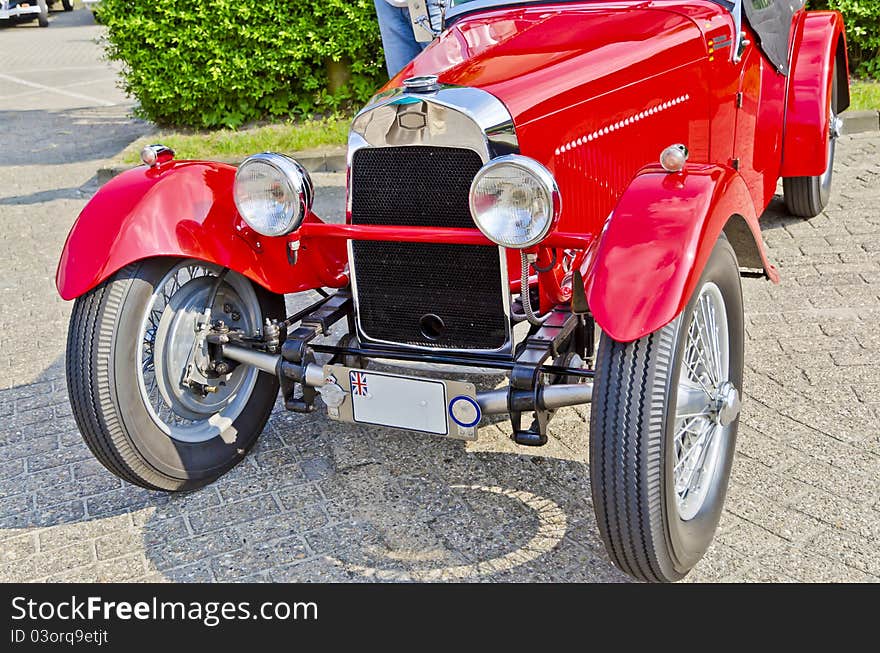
[
  {"x": 15, "y": 12},
  {"x": 539, "y": 383}
]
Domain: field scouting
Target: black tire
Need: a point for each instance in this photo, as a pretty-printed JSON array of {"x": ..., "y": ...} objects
[
  {"x": 107, "y": 402},
  {"x": 43, "y": 16},
  {"x": 631, "y": 440},
  {"x": 67, "y": 4},
  {"x": 807, "y": 197}
]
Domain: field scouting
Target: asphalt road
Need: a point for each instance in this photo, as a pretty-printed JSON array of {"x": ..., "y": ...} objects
[{"x": 318, "y": 500}]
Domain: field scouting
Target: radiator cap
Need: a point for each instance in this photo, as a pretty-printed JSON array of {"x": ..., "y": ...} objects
[{"x": 421, "y": 84}]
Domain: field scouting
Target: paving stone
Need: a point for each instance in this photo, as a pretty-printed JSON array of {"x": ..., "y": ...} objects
[
  {"x": 117, "y": 544},
  {"x": 63, "y": 534},
  {"x": 300, "y": 497},
  {"x": 781, "y": 521},
  {"x": 258, "y": 557},
  {"x": 195, "y": 573},
  {"x": 16, "y": 548},
  {"x": 840, "y": 513},
  {"x": 67, "y": 558},
  {"x": 233, "y": 513},
  {"x": 847, "y": 549},
  {"x": 808, "y": 568},
  {"x": 237, "y": 486},
  {"x": 126, "y": 568},
  {"x": 720, "y": 563},
  {"x": 193, "y": 551},
  {"x": 92, "y": 486},
  {"x": 847, "y": 423}
]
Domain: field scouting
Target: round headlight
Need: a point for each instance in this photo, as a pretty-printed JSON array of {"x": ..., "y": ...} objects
[
  {"x": 273, "y": 193},
  {"x": 514, "y": 200}
]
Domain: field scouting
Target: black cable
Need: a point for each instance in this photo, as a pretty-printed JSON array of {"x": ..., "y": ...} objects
[
  {"x": 215, "y": 288},
  {"x": 549, "y": 267}
]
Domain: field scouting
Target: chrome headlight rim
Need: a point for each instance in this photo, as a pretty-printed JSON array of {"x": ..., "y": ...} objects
[
  {"x": 547, "y": 183},
  {"x": 295, "y": 176}
]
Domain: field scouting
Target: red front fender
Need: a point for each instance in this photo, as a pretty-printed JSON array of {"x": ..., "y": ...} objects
[
  {"x": 655, "y": 245},
  {"x": 185, "y": 209}
]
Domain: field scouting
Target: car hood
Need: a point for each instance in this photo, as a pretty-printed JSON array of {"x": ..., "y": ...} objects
[{"x": 543, "y": 58}]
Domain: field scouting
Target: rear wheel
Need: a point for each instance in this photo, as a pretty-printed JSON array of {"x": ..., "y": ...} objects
[
  {"x": 663, "y": 426},
  {"x": 135, "y": 373},
  {"x": 67, "y": 4},
  {"x": 807, "y": 197}
]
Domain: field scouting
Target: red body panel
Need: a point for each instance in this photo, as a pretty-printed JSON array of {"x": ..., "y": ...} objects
[
  {"x": 569, "y": 72},
  {"x": 596, "y": 91},
  {"x": 809, "y": 94},
  {"x": 654, "y": 247},
  {"x": 184, "y": 208}
]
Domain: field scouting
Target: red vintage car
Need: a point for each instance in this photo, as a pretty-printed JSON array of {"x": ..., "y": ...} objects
[{"x": 563, "y": 192}]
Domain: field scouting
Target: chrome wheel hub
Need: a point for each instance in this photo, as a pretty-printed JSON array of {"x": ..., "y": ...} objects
[
  {"x": 179, "y": 397},
  {"x": 727, "y": 404},
  {"x": 707, "y": 402},
  {"x": 836, "y": 126}
]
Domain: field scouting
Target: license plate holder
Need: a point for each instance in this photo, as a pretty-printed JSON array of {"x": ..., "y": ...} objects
[{"x": 436, "y": 406}]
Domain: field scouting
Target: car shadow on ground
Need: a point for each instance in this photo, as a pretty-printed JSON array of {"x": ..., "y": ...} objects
[
  {"x": 777, "y": 215},
  {"x": 315, "y": 500}
]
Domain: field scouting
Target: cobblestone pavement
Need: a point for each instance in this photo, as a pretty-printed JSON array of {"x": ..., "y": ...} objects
[{"x": 318, "y": 500}]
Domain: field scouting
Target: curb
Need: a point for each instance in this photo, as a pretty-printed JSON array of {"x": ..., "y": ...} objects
[
  {"x": 854, "y": 122},
  {"x": 314, "y": 161},
  {"x": 857, "y": 122}
]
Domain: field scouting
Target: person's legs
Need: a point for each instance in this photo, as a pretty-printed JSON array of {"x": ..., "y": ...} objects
[{"x": 397, "y": 36}]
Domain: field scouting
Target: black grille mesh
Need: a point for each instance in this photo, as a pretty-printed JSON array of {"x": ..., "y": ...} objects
[{"x": 399, "y": 283}]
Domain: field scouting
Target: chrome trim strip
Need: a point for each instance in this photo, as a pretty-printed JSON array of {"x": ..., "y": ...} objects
[
  {"x": 459, "y": 10},
  {"x": 453, "y": 116},
  {"x": 626, "y": 122}
]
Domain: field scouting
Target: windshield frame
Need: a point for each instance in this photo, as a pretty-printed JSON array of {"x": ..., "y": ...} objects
[{"x": 458, "y": 10}]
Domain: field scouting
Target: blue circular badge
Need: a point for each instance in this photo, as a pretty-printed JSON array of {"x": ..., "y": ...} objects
[{"x": 465, "y": 411}]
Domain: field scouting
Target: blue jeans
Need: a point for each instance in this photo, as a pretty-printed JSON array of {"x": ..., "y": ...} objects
[{"x": 398, "y": 41}]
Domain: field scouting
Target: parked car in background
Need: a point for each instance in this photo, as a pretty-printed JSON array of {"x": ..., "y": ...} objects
[
  {"x": 94, "y": 6},
  {"x": 563, "y": 192},
  {"x": 66, "y": 4},
  {"x": 25, "y": 10}
]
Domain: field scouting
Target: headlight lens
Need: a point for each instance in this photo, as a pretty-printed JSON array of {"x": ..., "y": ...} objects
[
  {"x": 514, "y": 201},
  {"x": 273, "y": 193}
]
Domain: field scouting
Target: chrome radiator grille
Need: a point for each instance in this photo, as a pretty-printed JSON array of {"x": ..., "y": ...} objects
[{"x": 424, "y": 294}]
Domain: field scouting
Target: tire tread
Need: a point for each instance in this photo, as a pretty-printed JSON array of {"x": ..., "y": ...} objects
[
  {"x": 802, "y": 197},
  {"x": 90, "y": 348},
  {"x": 627, "y": 498}
]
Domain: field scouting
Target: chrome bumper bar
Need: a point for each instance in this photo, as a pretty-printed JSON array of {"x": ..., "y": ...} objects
[{"x": 492, "y": 402}]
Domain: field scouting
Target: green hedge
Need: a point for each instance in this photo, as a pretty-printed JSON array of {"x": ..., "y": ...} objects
[
  {"x": 862, "y": 32},
  {"x": 224, "y": 63}
]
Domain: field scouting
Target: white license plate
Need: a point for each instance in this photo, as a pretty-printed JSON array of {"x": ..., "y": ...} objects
[{"x": 433, "y": 406}]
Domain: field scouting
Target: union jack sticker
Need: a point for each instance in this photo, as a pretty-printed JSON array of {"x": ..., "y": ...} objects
[{"x": 358, "y": 383}]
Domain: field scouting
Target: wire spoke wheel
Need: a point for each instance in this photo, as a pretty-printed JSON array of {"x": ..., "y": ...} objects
[
  {"x": 703, "y": 388},
  {"x": 182, "y": 401},
  {"x": 139, "y": 377}
]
